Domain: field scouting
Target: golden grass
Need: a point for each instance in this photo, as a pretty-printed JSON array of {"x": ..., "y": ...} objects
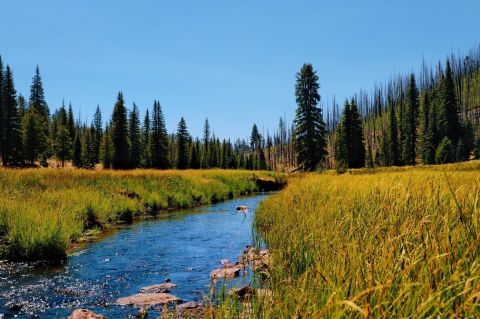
[
  {"x": 388, "y": 243},
  {"x": 43, "y": 210}
]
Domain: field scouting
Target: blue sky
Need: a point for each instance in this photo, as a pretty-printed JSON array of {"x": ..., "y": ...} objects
[{"x": 231, "y": 61}]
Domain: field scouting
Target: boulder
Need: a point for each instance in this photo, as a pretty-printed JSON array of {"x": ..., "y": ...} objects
[
  {"x": 85, "y": 314},
  {"x": 190, "y": 310},
  {"x": 164, "y": 287},
  {"x": 228, "y": 273},
  {"x": 148, "y": 299}
]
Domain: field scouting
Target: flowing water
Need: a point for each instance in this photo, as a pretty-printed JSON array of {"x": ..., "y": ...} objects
[{"x": 182, "y": 246}]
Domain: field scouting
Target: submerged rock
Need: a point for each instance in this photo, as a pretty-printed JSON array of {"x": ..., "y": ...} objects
[
  {"x": 85, "y": 314},
  {"x": 164, "y": 287},
  {"x": 229, "y": 272},
  {"x": 148, "y": 299}
]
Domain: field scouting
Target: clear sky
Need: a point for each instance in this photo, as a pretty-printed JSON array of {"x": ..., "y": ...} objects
[{"x": 231, "y": 61}]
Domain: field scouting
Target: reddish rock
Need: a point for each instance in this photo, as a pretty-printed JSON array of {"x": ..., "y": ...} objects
[
  {"x": 85, "y": 314},
  {"x": 148, "y": 299}
]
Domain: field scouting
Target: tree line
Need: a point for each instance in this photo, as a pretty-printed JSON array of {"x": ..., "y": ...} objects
[
  {"x": 31, "y": 136},
  {"x": 431, "y": 117}
]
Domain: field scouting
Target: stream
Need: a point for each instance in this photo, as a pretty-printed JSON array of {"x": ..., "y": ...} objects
[{"x": 184, "y": 246}]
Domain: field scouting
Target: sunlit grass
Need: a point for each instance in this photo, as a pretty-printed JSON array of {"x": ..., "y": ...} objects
[
  {"x": 389, "y": 243},
  {"x": 43, "y": 210}
]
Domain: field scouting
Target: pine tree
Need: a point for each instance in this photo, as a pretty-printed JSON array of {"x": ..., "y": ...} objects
[
  {"x": 88, "y": 150},
  {"x": 448, "y": 113},
  {"x": 37, "y": 102},
  {"x": 195, "y": 156},
  {"x": 12, "y": 135},
  {"x": 444, "y": 152},
  {"x": 71, "y": 122},
  {"x": 34, "y": 139},
  {"x": 146, "y": 141},
  {"x": 427, "y": 149},
  {"x": 106, "y": 149},
  {"x": 341, "y": 151},
  {"x": 310, "y": 132},
  {"x": 22, "y": 106},
  {"x": 159, "y": 142},
  {"x": 63, "y": 144},
  {"x": 119, "y": 135},
  {"x": 77, "y": 150},
  {"x": 206, "y": 147},
  {"x": 135, "y": 138},
  {"x": 355, "y": 141},
  {"x": 409, "y": 123},
  {"x": 183, "y": 141},
  {"x": 2, "y": 115},
  {"x": 97, "y": 122}
]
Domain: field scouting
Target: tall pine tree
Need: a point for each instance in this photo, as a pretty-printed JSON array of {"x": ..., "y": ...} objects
[
  {"x": 12, "y": 135},
  {"x": 119, "y": 134},
  {"x": 310, "y": 132},
  {"x": 183, "y": 142},
  {"x": 135, "y": 138},
  {"x": 409, "y": 123},
  {"x": 159, "y": 139}
]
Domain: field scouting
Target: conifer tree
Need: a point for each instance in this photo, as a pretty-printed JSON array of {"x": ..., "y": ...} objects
[
  {"x": 37, "y": 102},
  {"x": 135, "y": 138},
  {"x": 88, "y": 149},
  {"x": 448, "y": 113},
  {"x": 206, "y": 147},
  {"x": 97, "y": 122},
  {"x": 2, "y": 116},
  {"x": 310, "y": 132},
  {"x": 77, "y": 150},
  {"x": 195, "y": 156},
  {"x": 428, "y": 130},
  {"x": 12, "y": 136},
  {"x": 71, "y": 122},
  {"x": 106, "y": 149},
  {"x": 409, "y": 123},
  {"x": 22, "y": 106},
  {"x": 159, "y": 139},
  {"x": 146, "y": 141},
  {"x": 34, "y": 139},
  {"x": 444, "y": 152},
  {"x": 183, "y": 141},
  {"x": 63, "y": 144},
  {"x": 119, "y": 135}
]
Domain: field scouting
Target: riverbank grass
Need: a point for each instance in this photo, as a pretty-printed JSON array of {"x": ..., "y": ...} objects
[
  {"x": 42, "y": 211},
  {"x": 389, "y": 243}
]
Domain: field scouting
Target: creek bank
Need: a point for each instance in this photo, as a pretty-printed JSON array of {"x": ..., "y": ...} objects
[{"x": 99, "y": 231}]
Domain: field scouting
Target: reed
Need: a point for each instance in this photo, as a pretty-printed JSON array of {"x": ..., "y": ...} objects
[
  {"x": 388, "y": 243},
  {"x": 42, "y": 211}
]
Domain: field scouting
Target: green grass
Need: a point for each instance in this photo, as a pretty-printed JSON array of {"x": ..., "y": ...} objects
[
  {"x": 42, "y": 211},
  {"x": 388, "y": 243}
]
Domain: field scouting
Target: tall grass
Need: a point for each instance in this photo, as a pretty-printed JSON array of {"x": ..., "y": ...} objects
[
  {"x": 43, "y": 210},
  {"x": 392, "y": 243}
]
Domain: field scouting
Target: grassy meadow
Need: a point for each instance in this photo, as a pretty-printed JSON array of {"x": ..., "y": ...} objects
[
  {"x": 387, "y": 243},
  {"x": 42, "y": 211}
]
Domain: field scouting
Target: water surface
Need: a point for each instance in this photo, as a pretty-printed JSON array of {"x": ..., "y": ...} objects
[{"x": 183, "y": 246}]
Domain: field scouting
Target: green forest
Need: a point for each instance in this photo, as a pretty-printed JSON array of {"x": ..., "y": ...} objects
[{"x": 429, "y": 118}]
